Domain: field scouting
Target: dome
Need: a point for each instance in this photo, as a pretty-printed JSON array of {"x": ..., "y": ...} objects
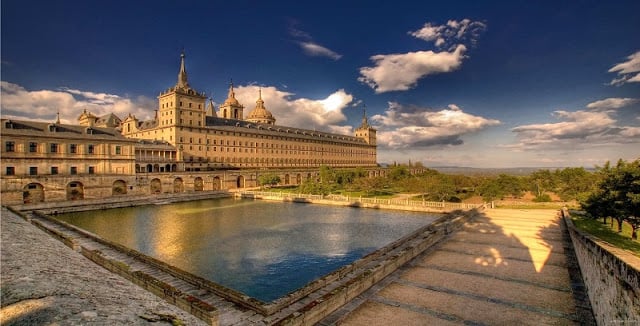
[{"x": 260, "y": 114}]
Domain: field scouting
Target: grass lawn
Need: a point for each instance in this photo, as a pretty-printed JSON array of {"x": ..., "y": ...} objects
[{"x": 606, "y": 233}]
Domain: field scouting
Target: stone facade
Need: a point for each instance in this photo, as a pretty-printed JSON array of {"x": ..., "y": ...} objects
[{"x": 207, "y": 140}]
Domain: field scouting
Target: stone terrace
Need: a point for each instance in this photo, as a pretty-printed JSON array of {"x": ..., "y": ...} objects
[
  {"x": 508, "y": 267},
  {"x": 45, "y": 283}
]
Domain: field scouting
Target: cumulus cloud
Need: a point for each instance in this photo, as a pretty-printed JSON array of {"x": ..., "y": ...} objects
[
  {"x": 452, "y": 32},
  {"x": 310, "y": 47},
  {"x": 578, "y": 129},
  {"x": 628, "y": 71},
  {"x": 20, "y": 103},
  {"x": 321, "y": 114},
  {"x": 612, "y": 103},
  {"x": 409, "y": 127},
  {"x": 401, "y": 71}
]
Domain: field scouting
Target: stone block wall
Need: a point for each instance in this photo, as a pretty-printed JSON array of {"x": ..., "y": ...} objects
[{"x": 612, "y": 278}]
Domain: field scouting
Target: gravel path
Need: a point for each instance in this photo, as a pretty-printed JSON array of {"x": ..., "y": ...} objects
[{"x": 43, "y": 282}]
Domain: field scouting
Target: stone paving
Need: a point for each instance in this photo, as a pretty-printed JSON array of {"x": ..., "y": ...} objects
[
  {"x": 43, "y": 282},
  {"x": 508, "y": 267}
]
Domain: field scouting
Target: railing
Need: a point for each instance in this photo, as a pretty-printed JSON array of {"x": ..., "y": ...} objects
[{"x": 373, "y": 201}]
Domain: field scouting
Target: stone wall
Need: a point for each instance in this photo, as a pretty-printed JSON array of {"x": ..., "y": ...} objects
[{"x": 611, "y": 275}]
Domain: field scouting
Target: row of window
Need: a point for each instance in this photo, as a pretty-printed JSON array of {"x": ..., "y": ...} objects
[
  {"x": 10, "y": 146},
  {"x": 33, "y": 170}
]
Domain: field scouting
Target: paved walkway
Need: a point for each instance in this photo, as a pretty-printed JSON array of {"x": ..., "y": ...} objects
[
  {"x": 43, "y": 282},
  {"x": 508, "y": 267}
]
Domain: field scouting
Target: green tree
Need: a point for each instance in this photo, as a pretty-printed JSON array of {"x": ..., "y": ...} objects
[
  {"x": 541, "y": 181},
  {"x": 269, "y": 179},
  {"x": 574, "y": 183},
  {"x": 618, "y": 195}
]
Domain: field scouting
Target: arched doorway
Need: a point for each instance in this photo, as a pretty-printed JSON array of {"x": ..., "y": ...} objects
[
  {"x": 240, "y": 182},
  {"x": 286, "y": 179},
  {"x": 75, "y": 190},
  {"x": 217, "y": 184},
  {"x": 119, "y": 188},
  {"x": 298, "y": 179},
  {"x": 33, "y": 193},
  {"x": 178, "y": 185},
  {"x": 198, "y": 184},
  {"x": 156, "y": 186},
  {"x": 149, "y": 168}
]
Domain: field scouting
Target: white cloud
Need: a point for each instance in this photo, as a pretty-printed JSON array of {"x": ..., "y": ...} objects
[
  {"x": 322, "y": 114},
  {"x": 452, "y": 32},
  {"x": 306, "y": 43},
  {"x": 576, "y": 130},
  {"x": 20, "y": 103},
  {"x": 317, "y": 50},
  {"x": 400, "y": 72},
  {"x": 612, "y": 103},
  {"x": 405, "y": 127},
  {"x": 628, "y": 71}
]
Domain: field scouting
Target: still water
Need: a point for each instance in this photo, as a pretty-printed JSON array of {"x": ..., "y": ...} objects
[{"x": 263, "y": 249}]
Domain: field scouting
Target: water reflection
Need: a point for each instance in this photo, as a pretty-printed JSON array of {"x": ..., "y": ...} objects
[{"x": 263, "y": 249}]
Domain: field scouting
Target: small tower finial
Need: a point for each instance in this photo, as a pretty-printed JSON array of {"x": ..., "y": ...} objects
[
  {"x": 58, "y": 118},
  {"x": 182, "y": 75}
]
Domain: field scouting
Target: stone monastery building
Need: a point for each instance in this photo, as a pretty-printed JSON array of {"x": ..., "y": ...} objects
[
  {"x": 208, "y": 139},
  {"x": 185, "y": 147}
]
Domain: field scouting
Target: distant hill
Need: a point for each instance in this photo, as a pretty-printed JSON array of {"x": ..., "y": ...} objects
[{"x": 493, "y": 171}]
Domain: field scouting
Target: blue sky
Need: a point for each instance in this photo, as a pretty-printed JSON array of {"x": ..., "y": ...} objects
[{"x": 464, "y": 83}]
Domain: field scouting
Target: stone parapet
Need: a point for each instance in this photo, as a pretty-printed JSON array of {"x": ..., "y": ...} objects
[{"x": 611, "y": 276}]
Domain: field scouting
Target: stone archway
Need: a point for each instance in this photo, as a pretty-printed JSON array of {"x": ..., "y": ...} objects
[
  {"x": 298, "y": 179},
  {"x": 198, "y": 184},
  {"x": 119, "y": 188},
  {"x": 217, "y": 184},
  {"x": 155, "y": 186},
  {"x": 75, "y": 190},
  {"x": 33, "y": 193},
  {"x": 286, "y": 179},
  {"x": 240, "y": 182},
  {"x": 178, "y": 185}
]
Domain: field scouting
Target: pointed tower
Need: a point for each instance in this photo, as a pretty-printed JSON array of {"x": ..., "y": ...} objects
[
  {"x": 181, "y": 105},
  {"x": 211, "y": 110},
  {"x": 366, "y": 131},
  {"x": 182, "y": 75},
  {"x": 231, "y": 108},
  {"x": 260, "y": 114}
]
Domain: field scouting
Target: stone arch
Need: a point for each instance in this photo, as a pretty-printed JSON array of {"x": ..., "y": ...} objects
[
  {"x": 155, "y": 186},
  {"x": 119, "y": 188},
  {"x": 217, "y": 184},
  {"x": 298, "y": 178},
  {"x": 156, "y": 168},
  {"x": 75, "y": 190},
  {"x": 286, "y": 179},
  {"x": 198, "y": 184},
  {"x": 174, "y": 168},
  {"x": 178, "y": 185},
  {"x": 240, "y": 182},
  {"x": 33, "y": 193},
  {"x": 149, "y": 168}
]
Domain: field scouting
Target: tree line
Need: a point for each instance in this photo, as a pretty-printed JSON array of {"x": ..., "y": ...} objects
[{"x": 608, "y": 192}]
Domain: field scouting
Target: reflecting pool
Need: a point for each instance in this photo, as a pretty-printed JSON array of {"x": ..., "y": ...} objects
[{"x": 263, "y": 249}]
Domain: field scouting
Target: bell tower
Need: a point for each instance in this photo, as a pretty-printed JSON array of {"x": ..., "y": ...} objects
[
  {"x": 366, "y": 131},
  {"x": 181, "y": 105},
  {"x": 231, "y": 108}
]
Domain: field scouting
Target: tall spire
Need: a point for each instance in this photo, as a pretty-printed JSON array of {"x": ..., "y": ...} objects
[
  {"x": 182, "y": 75},
  {"x": 365, "y": 122}
]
